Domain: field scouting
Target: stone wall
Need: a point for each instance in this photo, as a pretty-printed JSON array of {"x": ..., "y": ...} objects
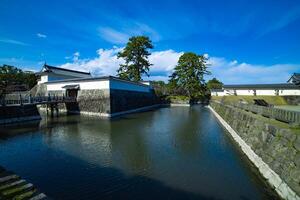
[
  {"x": 106, "y": 102},
  {"x": 288, "y": 116},
  {"x": 11, "y": 114},
  {"x": 274, "y": 142},
  {"x": 123, "y": 100},
  {"x": 292, "y": 100},
  {"x": 93, "y": 101}
]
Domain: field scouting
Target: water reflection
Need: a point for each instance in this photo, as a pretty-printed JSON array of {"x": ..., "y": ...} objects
[{"x": 173, "y": 153}]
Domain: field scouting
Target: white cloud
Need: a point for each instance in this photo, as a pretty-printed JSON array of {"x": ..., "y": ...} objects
[
  {"x": 228, "y": 71},
  {"x": 164, "y": 61},
  {"x": 234, "y": 72},
  {"x": 126, "y": 31},
  {"x": 113, "y": 36},
  {"x": 106, "y": 62},
  {"x": 40, "y": 35},
  {"x": 76, "y": 56},
  {"x": 10, "y": 41}
]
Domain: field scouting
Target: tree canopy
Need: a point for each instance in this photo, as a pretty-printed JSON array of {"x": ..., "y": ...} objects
[
  {"x": 10, "y": 75},
  {"x": 135, "y": 55},
  {"x": 189, "y": 74},
  {"x": 214, "y": 84}
]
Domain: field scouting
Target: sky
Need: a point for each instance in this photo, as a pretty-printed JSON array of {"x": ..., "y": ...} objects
[{"x": 255, "y": 41}]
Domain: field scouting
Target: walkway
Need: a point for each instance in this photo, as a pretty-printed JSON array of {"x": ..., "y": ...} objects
[{"x": 14, "y": 187}]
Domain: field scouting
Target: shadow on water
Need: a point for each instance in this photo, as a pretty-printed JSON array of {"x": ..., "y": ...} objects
[
  {"x": 101, "y": 183},
  {"x": 170, "y": 153}
]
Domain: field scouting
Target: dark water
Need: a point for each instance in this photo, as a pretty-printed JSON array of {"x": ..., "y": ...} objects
[{"x": 170, "y": 153}]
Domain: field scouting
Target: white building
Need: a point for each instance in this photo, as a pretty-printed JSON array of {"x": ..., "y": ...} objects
[
  {"x": 50, "y": 73},
  {"x": 291, "y": 88},
  {"x": 105, "y": 96}
]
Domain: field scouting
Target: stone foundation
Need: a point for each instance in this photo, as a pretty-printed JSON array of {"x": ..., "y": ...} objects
[
  {"x": 292, "y": 100},
  {"x": 275, "y": 147},
  {"x": 121, "y": 100},
  {"x": 109, "y": 103},
  {"x": 13, "y": 114}
]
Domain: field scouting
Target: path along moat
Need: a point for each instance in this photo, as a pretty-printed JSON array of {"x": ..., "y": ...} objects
[{"x": 169, "y": 153}]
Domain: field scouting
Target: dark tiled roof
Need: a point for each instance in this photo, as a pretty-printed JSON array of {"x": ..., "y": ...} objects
[
  {"x": 71, "y": 86},
  {"x": 295, "y": 78},
  {"x": 48, "y": 67},
  {"x": 263, "y": 86}
]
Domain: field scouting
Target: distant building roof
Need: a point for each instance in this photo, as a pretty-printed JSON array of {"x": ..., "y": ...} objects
[
  {"x": 295, "y": 79},
  {"x": 217, "y": 90},
  {"x": 263, "y": 86}
]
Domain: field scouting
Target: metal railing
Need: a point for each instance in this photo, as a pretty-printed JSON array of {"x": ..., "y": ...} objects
[{"x": 37, "y": 100}]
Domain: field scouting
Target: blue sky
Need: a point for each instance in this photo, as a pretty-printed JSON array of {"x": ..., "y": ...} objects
[{"x": 246, "y": 41}]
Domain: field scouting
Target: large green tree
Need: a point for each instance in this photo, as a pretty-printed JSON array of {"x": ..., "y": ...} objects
[
  {"x": 135, "y": 55},
  {"x": 189, "y": 74},
  {"x": 214, "y": 84},
  {"x": 10, "y": 75}
]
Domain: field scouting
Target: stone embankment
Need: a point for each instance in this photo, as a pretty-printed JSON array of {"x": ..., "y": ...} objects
[
  {"x": 18, "y": 113},
  {"x": 13, "y": 187},
  {"x": 272, "y": 146}
]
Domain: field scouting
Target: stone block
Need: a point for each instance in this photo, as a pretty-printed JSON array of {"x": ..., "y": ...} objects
[
  {"x": 287, "y": 134},
  {"x": 297, "y": 159},
  {"x": 297, "y": 143}
]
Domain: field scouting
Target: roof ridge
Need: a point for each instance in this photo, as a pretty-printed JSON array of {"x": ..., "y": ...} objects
[{"x": 64, "y": 69}]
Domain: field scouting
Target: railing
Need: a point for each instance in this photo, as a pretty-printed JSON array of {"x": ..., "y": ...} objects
[
  {"x": 287, "y": 116},
  {"x": 37, "y": 100}
]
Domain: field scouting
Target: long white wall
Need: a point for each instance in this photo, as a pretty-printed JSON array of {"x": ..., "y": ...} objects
[
  {"x": 83, "y": 85},
  {"x": 259, "y": 92},
  {"x": 100, "y": 84},
  {"x": 289, "y": 92}
]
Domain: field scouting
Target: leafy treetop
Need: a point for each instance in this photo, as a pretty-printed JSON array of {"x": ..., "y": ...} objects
[
  {"x": 10, "y": 75},
  {"x": 214, "y": 84},
  {"x": 189, "y": 74},
  {"x": 135, "y": 55}
]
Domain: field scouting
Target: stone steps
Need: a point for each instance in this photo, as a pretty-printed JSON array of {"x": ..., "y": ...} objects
[{"x": 12, "y": 187}]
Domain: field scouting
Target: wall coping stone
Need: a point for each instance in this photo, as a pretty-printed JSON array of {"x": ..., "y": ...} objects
[{"x": 272, "y": 177}]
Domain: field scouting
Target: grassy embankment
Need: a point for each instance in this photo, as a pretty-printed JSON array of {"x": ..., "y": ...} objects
[{"x": 274, "y": 100}]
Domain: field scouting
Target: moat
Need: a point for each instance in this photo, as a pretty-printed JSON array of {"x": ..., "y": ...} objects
[{"x": 169, "y": 153}]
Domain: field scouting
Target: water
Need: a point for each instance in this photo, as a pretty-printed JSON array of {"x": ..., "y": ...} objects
[{"x": 170, "y": 153}]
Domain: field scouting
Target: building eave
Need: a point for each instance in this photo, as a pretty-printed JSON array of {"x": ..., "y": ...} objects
[
  {"x": 51, "y": 68},
  {"x": 262, "y": 86},
  {"x": 101, "y": 78}
]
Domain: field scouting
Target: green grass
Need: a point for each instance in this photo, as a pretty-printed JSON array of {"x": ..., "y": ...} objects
[{"x": 275, "y": 100}]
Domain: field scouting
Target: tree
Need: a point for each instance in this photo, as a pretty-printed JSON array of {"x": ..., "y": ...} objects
[
  {"x": 135, "y": 55},
  {"x": 214, "y": 84},
  {"x": 10, "y": 75},
  {"x": 189, "y": 74}
]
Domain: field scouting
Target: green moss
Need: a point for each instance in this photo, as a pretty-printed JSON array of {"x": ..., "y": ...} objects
[
  {"x": 11, "y": 191},
  {"x": 25, "y": 195}
]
